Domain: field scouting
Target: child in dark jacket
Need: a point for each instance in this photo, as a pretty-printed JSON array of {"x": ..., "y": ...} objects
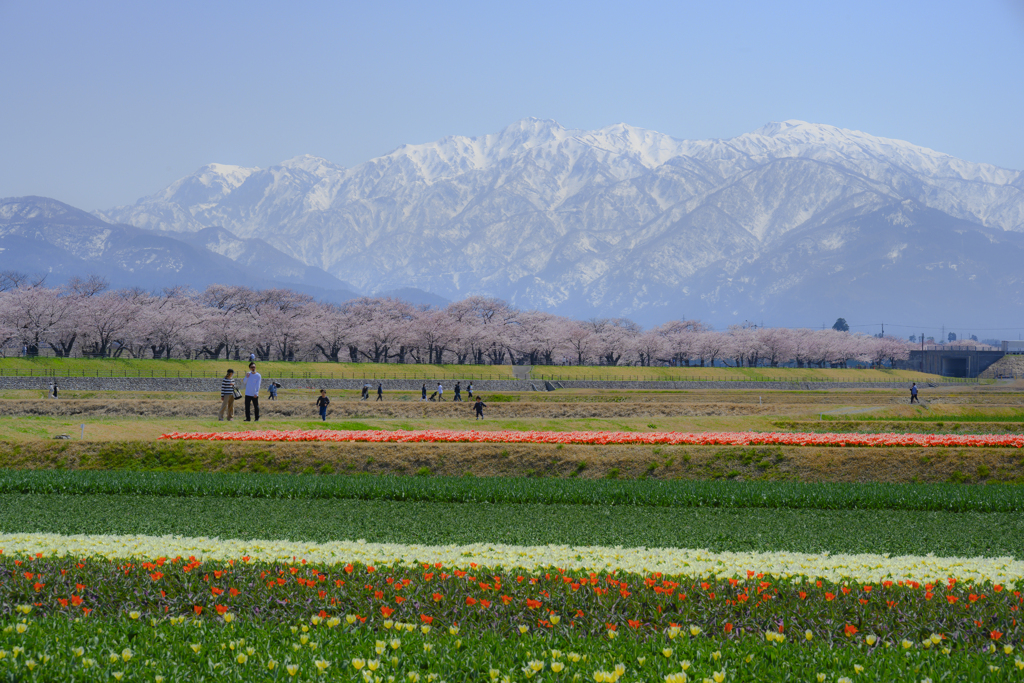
[{"x": 322, "y": 404}]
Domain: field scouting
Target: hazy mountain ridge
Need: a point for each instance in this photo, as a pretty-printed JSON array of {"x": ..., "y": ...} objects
[
  {"x": 45, "y": 236},
  {"x": 616, "y": 221}
]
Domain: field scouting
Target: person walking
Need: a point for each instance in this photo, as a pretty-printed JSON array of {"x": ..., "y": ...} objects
[
  {"x": 252, "y": 357},
  {"x": 913, "y": 394},
  {"x": 56, "y": 391},
  {"x": 469, "y": 389},
  {"x": 380, "y": 391},
  {"x": 273, "y": 391},
  {"x": 423, "y": 393},
  {"x": 440, "y": 392},
  {"x": 252, "y": 392},
  {"x": 227, "y": 395},
  {"x": 322, "y": 402},
  {"x": 458, "y": 392},
  {"x": 479, "y": 407},
  {"x": 366, "y": 393}
]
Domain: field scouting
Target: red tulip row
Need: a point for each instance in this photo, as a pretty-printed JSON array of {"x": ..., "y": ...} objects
[{"x": 598, "y": 438}]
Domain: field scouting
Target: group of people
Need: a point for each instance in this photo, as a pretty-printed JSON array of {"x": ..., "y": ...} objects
[
  {"x": 439, "y": 394},
  {"x": 365, "y": 396},
  {"x": 251, "y": 383},
  {"x": 253, "y": 380}
]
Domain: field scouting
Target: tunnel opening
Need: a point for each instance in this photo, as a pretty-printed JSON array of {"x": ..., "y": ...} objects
[{"x": 954, "y": 367}]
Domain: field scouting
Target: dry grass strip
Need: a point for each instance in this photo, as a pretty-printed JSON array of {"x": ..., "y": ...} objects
[
  {"x": 354, "y": 409},
  {"x": 339, "y": 410},
  {"x": 968, "y": 465}
]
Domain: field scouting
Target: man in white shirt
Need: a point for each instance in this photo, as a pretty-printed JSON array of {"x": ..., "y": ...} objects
[
  {"x": 440, "y": 392},
  {"x": 252, "y": 391}
]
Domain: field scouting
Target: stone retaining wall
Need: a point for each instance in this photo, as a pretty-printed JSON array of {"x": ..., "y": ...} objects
[{"x": 198, "y": 385}]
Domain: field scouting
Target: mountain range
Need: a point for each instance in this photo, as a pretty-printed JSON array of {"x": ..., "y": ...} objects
[
  {"x": 44, "y": 236},
  {"x": 793, "y": 224}
]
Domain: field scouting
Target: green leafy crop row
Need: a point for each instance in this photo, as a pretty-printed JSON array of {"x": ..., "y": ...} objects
[
  {"x": 644, "y": 493},
  {"x": 898, "y": 532}
]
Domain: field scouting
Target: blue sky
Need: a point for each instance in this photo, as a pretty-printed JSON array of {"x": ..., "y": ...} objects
[{"x": 104, "y": 102}]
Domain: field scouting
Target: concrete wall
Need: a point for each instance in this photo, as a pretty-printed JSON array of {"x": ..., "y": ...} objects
[{"x": 948, "y": 362}]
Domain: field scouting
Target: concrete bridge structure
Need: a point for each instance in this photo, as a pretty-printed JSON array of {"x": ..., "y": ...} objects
[{"x": 953, "y": 361}]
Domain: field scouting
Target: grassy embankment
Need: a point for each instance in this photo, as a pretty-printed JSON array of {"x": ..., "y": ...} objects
[
  {"x": 127, "y": 367},
  {"x": 78, "y": 367},
  {"x": 625, "y": 373}
]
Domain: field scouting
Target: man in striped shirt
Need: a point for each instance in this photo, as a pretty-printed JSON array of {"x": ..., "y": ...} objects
[{"x": 227, "y": 395}]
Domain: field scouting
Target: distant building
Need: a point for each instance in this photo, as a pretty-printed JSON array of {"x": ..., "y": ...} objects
[{"x": 1014, "y": 347}]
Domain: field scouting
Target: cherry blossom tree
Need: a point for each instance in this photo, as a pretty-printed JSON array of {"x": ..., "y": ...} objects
[
  {"x": 582, "y": 340},
  {"x": 613, "y": 337},
  {"x": 105, "y": 318}
]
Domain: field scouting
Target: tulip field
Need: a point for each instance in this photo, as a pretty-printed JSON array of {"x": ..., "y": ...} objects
[
  {"x": 199, "y": 554},
  {"x": 96, "y": 608},
  {"x": 645, "y": 438}
]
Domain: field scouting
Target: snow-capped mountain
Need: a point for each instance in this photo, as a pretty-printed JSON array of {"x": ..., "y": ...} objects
[{"x": 625, "y": 221}]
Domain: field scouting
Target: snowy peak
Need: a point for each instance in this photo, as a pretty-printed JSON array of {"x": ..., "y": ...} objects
[
  {"x": 211, "y": 183},
  {"x": 648, "y": 147},
  {"x": 314, "y": 165},
  {"x": 528, "y": 133},
  {"x": 776, "y": 127},
  {"x": 457, "y": 154},
  {"x": 795, "y": 138}
]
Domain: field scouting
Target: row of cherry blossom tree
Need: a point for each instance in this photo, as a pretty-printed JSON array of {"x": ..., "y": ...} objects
[{"x": 83, "y": 318}]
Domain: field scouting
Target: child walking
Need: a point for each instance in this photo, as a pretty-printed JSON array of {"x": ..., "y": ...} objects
[
  {"x": 479, "y": 407},
  {"x": 322, "y": 404}
]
